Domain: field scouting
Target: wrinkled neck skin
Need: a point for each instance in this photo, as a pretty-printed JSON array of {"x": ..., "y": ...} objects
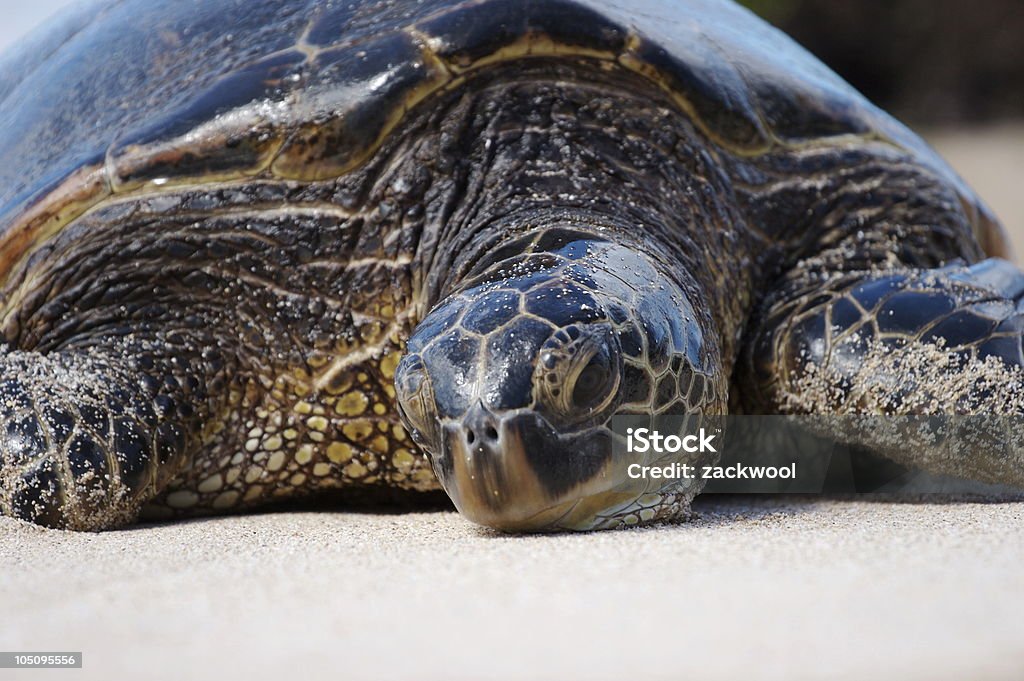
[{"x": 567, "y": 145}]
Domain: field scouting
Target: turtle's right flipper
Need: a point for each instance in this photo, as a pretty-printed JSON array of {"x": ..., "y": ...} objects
[
  {"x": 901, "y": 342},
  {"x": 89, "y": 435}
]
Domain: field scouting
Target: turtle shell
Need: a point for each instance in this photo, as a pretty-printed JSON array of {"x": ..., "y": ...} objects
[{"x": 136, "y": 94}]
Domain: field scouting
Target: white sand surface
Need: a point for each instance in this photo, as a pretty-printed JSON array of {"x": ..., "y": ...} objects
[{"x": 756, "y": 588}]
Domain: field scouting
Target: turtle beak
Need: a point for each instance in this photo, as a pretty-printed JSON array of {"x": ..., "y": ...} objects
[{"x": 499, "y": 472}]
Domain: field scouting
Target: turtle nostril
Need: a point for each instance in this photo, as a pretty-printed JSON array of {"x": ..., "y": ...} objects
[{"x": 480, "y": 428}]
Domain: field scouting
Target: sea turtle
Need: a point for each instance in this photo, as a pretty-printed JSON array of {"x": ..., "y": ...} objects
[{"x": 257, "y": 249}]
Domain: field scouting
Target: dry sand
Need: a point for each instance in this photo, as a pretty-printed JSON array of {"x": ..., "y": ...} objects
[{"x": 757, "y": 588}]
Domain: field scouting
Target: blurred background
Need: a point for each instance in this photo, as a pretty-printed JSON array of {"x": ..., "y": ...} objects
[
  {"x": 926, "y": 61},
  {"x": 21, "y": 17},
  {"x": 952, "y": 70}
]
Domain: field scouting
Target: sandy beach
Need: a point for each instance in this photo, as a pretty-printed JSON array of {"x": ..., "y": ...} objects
[{"x": 755, "y": 588}]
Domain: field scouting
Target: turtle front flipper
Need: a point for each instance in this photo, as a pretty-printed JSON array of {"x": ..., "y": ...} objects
[
  {"x": 91, "y": 434},
  {"x": 915, "y": 342}
]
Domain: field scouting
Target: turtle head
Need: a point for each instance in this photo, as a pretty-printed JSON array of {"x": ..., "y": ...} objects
[{"x": 510, "y": 384}]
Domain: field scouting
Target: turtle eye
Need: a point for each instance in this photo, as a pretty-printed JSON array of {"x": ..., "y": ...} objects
[
  {"x": 416, "y": 399},
  {"x": 593, "y": 383},
  {"x": 578, "y": 374}
]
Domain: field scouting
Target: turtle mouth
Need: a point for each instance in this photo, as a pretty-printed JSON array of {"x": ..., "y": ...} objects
[{"x": 518, "y": 473}]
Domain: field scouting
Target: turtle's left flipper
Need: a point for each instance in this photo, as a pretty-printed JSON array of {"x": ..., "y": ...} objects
[{"x": 899, "y": 342}]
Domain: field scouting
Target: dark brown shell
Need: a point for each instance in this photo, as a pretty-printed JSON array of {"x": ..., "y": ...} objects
[{"x": 144, "y": 92}]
